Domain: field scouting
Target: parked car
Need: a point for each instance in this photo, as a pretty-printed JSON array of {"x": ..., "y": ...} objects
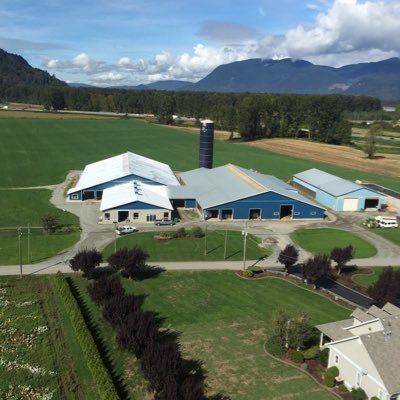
[
  {"x": 164, "y": 221},
  {"x": 123, "y": 230},
  {"x": 388, "y": 224}
]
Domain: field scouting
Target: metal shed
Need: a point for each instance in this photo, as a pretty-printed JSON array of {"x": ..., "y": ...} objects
[
  {"x": 232, "y": 192},
  {"x": 337, "y": 193}
]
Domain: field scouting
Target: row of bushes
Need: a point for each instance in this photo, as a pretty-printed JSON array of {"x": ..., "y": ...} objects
[
  {"x": 100, "y": 373},
  {"x": 138, "y": 332},
  {"x": 194, "y": 233}
]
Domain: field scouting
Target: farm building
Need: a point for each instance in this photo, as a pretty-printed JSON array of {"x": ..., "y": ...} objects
[
  {"x": 123, "y": 168},
  {"x": 337, "y": 193},
  {"x": 135, "y": 201},
  {"x": 232, "y": 192}
]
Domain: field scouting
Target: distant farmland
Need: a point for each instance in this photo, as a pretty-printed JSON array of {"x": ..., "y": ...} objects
[{"x": 42, "y": 151}]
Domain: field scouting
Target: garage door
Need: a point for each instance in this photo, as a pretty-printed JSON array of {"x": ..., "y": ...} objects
[{"x": 350, "y": 204}]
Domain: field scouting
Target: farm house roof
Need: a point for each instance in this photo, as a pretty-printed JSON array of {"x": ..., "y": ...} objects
[
  {"x": 131, "y": 192},
  {"x": 123, "y": 165}
]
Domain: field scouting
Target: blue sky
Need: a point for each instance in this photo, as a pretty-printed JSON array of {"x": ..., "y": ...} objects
[{"x": 122, "y": 42}]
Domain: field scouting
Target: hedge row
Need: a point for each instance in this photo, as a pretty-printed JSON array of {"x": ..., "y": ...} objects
[{"x": 99, "y": 372}]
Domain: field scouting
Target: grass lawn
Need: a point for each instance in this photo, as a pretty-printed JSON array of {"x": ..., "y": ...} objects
[
  {"x": 42, "y": 151},
  {"x": 366, "y": 280},
  {"x": 224, "y": 321},
  {"x": 188, "y": 249},
  {"x": 323, "y": 240},
  {"x": 392, "y": 234},
  {"x": 23, "y": 207},
  {"x": 40, "y": 357}
]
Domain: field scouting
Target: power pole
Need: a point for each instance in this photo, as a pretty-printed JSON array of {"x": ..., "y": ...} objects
[
  {"x": 244, "y": 233},
  {"x": 226, "y": 239},
  {"x": 29, "y": 244},
  {"x": 205, "y": 237},
  {"x": 20, "y": 251}
]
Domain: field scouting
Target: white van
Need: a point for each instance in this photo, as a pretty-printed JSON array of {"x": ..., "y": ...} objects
[{"x": 388, "y": 224}]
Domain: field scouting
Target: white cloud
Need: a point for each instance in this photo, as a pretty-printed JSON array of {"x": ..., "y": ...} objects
[{"x": 349, "y": 31}]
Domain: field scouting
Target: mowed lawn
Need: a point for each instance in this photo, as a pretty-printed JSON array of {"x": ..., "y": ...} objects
[
  {"x": 224, "y": 320},
  {"x": 323, "y": 240},
  {"x": 392, "y": 234},
  {"x": 42, "y": 151},
  {"x": 190, "y": 249},
  {"x": 27, "y": 207}
]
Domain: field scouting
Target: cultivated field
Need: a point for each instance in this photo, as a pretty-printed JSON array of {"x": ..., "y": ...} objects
[
  {"x": 40, "y": 357},
  {"x": 48, "y": 115},
  {"x": 224, "y": 321}
]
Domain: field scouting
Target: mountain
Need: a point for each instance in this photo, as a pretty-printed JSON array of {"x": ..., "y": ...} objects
[
  {"x": 15, "y": 71},
  {"x": 380, "y": 79},
  {"x": 80, "y": 85},
  {"x": 170, "y": 85}
]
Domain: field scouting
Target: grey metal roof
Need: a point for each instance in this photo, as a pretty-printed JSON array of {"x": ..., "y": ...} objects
[
  {"x": 383, "y": 346},
  {"x": 361, "y": 315},
  {"x": 212, "y": 187},
  {"x": 123, "y": 165},
  {"x": 327, "y": 182}
]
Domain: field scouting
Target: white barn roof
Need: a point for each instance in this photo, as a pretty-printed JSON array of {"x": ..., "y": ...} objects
[
  {"x": 212, "y": 187},
  {"x": 131, "y": 192},
  {"x": 123, "y": 165},
  {"x": 328, "y": 183}
]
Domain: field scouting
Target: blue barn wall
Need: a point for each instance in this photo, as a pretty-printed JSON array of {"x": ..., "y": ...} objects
[
  {"x": 112, "y": 183},
  {"x": 270, "y": 206},
  {"x": 337, "y": 203},
  {"x": 190, "y": 203}
]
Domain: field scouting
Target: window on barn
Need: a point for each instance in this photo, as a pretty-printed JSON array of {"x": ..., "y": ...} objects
[
  {"x": 150, "y": 217},
  {"x": 106, "y": 216},
  {"x": 74, "y": 197},
  {"x": 135, "y": 215}
]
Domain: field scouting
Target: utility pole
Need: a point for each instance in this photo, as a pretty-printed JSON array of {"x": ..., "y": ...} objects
[
  {"x": 29, "y": 244},
  {"x": 205, "y": 237},
  {"x": 115, "y": 236},
  {"x": 20, "y": 252},
  {"x": 226, "y": 239},
  {"x": 244, "y": 233}
]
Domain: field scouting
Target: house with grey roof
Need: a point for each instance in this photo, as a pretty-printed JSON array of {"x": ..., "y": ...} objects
[
  {"x": 337, "y": 193},
  {"x": 366, "y": 350},
  {"x": 231, "y": 192}
]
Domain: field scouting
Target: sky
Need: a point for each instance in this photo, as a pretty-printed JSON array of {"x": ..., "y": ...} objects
[{"x": 128, "y": 42}]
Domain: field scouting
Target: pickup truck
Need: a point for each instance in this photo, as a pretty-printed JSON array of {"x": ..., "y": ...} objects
[
  {"x": 164, "y": 221},
  {"x": 123, "y": 230}
]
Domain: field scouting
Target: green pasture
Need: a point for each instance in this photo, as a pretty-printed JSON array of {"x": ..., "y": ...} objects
[
  {"x": 366, "y": 280},
  {"x": 191, "y": 249},
  {"x": 42, "y": 151},
  {"x": 27, "y": 207},
  {"x": 323, "y": 240},
  {"x": 223, "y": 321},
  {"x": 41, "y": 358}
]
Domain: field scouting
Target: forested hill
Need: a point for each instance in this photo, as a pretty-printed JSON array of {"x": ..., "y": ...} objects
[{"x": 15, "y": 71}]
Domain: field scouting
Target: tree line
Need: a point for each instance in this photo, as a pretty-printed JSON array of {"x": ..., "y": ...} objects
[{"x": 317, "y": 117}]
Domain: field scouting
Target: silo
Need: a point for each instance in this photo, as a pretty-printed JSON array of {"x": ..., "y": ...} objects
[{"x": 206, "y": 144}]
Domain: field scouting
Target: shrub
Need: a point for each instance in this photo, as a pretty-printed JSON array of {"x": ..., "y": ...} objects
[
  {"x": 323, "y": 357},
  {"x": 330, "y": 375},
  {"x": 248, "y": 273},
  {"x": 374, "y": 398},
  {"x": 181, "y": 233},
  {"x": 311, "y": 353},
  {"x": 275, "y": 346},
  {"x": 256, "y": 269},
  {"x": 343, "y": 389},
  {"x": 297, "y": 357},
  {"x": 197, "y": 232},
  {"x": 105, "y": 288},
  {"x": 304, "y": 366},
  {"x": 51, "y": 223},
  {"x": 358, "y": 394},
  {"x": 86, "y": 260}
]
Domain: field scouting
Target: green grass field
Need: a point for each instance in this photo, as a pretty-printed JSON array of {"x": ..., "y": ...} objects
[
  {"x": 366, "y": 280},
  {"x": 390, "y": 234},
  {"x": 188, "y": 249},
  {"x": 42, "y": 151},
  {"x": 224, "y": 320},
  {"x": 25, "y": 207},
  {"x": 40, "y": 356},
  {"x": 323, "y": 240}
]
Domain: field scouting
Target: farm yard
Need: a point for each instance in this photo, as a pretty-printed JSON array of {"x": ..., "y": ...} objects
[{"x": 233, "y": 325}]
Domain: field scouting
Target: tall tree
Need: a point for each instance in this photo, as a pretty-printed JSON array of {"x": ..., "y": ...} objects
[
  {"x": 317, "y": 267},
  {"x": 341, "y": 256},
  {"x": 370, "y": 140},
  {"x": 288, "y": 256},
  {"x": 86, "y": 260},
  {"x": 130, "y": 261},
  {"x": 386, "y": 288}
]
